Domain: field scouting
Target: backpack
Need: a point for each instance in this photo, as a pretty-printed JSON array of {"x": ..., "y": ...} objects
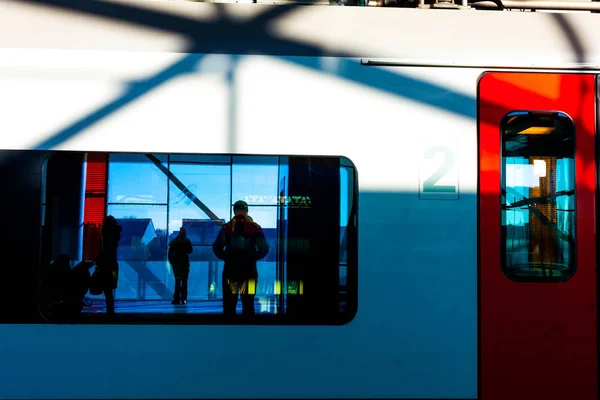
[{"x": 239, "y": 241}]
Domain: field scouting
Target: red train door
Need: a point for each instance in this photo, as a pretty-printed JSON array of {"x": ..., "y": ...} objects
[{"x": 537, "y": 237}]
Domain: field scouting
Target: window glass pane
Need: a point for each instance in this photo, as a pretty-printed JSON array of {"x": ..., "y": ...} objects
[
  {"x": 346, "y": 213},
  {"x": 265, "y": 216},
  {"x": 155, "y": 215},
  {"x": 255, "y": 160},
  {"x": 346, "y": 200},
  {"x": 144, "y": 234},
  {"x": 255, "y": 182},
  {"x": 134, "y": 178},
  {"x": 204, "y": 185},
  {"x": 305, "y": 271},
  {"x": 538, "y": 197},
  {"x": 200, "y": 159},
  {"x": 201, "y": 232},
  {"x": 202, "y": 260},
  {"x": 141, "y": 253}
]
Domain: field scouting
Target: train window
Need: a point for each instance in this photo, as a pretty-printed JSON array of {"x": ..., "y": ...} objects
[
  {"x": 538, "y": 196},
  {"x": 303, "y": 275}
]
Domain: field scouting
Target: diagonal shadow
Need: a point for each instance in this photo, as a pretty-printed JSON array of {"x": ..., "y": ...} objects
[
  {"x": 244, "y": 38},
  {"x": 124, "y": 13},
  {"x": 196, "y": 31},
  {"x": 235, "y": 37},
  {"x": 580, "y": 52},
  {"x": 389, "y": 82},
  {"x": 396, "y": 84},
  {"x": 572, "y": 36},
  {"x": 135, "y": 91},
  {"x": 376, "y": 78},
  {"x": 171, "y": 177},
  {"x": 232, "y": 105},
  {"x": 151, "y": 279}
]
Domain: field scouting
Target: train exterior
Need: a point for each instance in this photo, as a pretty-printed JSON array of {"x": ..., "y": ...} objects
[{"x": 427, "y": 104}]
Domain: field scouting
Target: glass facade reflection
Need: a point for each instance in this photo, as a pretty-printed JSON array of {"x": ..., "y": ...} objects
[
  {"x": 538, "y": 197},
  {"x": 307, "y": 273},
  {"x": 151, "y": 208}
]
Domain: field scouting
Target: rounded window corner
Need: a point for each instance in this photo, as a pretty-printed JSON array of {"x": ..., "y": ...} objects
[{"x": 349, "y": 315}]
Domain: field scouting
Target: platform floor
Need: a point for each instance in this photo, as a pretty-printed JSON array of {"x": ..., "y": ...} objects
[
  {"x": 165, "y": 307},
  {"x": 195, "y": 312}
]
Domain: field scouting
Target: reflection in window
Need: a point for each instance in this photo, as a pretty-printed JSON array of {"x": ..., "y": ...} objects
[
  {"x": 153, "y": 195},
  {"x": 255, "y": 180},
  {"x": 346, "y": 213},
  {"x": 538, "y": 197},
  {"x": 135, "y": 179},
  {"x": 141, "y": 252},
  {"x": 210, "y": 184}
]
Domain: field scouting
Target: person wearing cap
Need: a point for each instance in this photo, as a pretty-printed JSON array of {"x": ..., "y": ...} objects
[{"x": 241, "y": 243}]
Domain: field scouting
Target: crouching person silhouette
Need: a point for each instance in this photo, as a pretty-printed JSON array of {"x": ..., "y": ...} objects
[{"x": 240, "y": 243}]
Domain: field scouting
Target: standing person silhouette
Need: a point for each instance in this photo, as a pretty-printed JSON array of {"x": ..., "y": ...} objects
[
  {"x": 107, "y": 266},
  {"x": 240, "y": 243},
  {"x": 179, "y": 249}
]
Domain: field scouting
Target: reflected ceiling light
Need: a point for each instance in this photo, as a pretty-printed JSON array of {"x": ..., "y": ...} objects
[
  {"x": 539, "y": 168},
  {"x": 537, "y": 130}
]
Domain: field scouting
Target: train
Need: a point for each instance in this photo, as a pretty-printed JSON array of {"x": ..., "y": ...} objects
[{"x": 464, "y": 142}]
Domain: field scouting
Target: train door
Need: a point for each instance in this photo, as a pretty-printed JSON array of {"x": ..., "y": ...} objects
[{"x": 537, "y": 237}]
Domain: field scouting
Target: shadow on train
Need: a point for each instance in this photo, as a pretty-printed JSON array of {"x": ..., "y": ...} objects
[
  {"x": 231, "y": 31},
  {"x": 255, "y": 30}
]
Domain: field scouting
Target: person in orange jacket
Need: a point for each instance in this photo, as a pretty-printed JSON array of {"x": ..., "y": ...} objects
[{"x": 241, "y": 243}]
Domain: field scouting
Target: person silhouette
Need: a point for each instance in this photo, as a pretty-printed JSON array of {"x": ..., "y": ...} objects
[
  {"x": 179, "y": 249},
  {"x": 107, "y": 266},
  {"x": 240, "y": 243}
]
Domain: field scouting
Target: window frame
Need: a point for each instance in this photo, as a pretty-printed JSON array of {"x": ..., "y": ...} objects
[
  {"x": 152, "y": 318},
  {"x": 572, "y": 269}
]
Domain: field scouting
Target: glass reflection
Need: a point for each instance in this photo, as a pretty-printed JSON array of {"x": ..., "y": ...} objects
[
  {"x": 152, "y": 196},
  {"x": 538, "y": 197}
]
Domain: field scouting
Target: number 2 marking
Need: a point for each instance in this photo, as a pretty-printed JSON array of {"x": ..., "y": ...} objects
[{"x": 449, "y": 158}]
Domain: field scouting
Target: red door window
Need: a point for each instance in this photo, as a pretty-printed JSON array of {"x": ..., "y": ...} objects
[{"x": 537, "y": 243}]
